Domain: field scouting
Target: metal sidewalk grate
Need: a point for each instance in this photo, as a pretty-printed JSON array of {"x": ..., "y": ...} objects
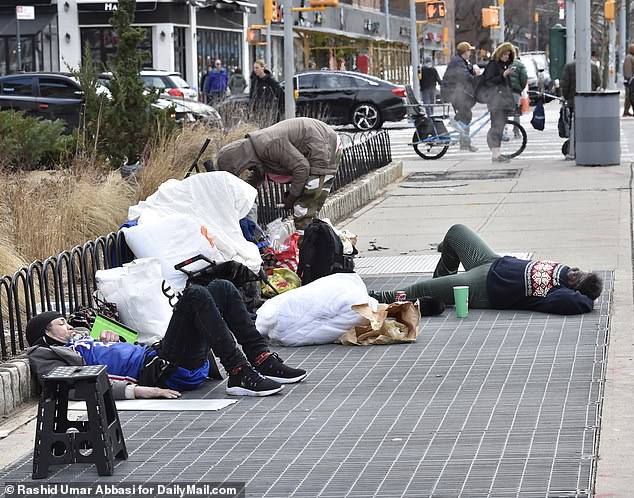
[
  {"x": 423, "y": 263},
  {"x": 501, "y": 404}
]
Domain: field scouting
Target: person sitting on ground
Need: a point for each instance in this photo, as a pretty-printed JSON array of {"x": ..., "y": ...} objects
[
  {"x": 204, "y": 318},
  {"x": 503, "y": 282},
  {"x": 302, "y": 152}
]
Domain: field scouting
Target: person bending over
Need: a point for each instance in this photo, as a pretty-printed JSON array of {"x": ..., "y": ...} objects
[
  {"x": 211, "y": 317},
  {"x": 503, "y": 282}
]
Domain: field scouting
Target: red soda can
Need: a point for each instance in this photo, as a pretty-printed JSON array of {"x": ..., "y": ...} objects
[{"x": 400, "y": 295}]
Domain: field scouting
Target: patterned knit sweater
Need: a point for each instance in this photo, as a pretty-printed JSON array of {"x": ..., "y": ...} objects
[{"x": 534, "y": 285}]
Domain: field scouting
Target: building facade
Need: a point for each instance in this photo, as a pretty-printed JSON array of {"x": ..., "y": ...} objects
[{"x": 187, "y": 35}]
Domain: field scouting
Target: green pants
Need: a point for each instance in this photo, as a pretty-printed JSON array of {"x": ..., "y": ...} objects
[
  {"x": 311, "y": 200},
  {"x": 460, "y": 245}
]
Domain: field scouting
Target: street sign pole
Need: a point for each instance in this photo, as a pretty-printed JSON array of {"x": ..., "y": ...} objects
[
  {"x": 289, "y": 60},
  {"x": 18, "y": 43},
  {"x": 413, "y": 32}
]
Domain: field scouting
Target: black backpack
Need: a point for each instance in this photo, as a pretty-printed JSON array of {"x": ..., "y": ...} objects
[{"x": 321, "y": 253}]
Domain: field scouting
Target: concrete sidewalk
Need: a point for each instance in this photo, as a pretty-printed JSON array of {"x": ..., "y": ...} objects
[{"x": 500, "y": 404}]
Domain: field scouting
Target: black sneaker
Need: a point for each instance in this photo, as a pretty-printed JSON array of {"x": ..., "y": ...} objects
[
  {"x": 273, "y": 368},
  {"x": 430, "y": 306},
  {"x": 249, "y": 382}
]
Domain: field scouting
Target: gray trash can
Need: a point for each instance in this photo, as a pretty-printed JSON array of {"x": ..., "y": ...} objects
[{"x": 597, "y": 128}]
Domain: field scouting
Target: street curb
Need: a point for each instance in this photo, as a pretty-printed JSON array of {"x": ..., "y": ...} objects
[{"x": 15, "y": 375}]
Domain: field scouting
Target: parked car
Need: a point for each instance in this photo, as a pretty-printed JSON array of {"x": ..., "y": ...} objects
[
  {"x": 341, "y": 98},
  {"x": 58, "y": 96},
  {"x": 169, "y": 83},
  {"x": 538, "y": 74},
  {"x": 198, "y": 110}
]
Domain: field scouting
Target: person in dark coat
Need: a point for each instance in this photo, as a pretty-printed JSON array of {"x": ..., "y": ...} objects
[
  {"x": 428, "y": 80},
  {"x": 265, "y": 94},
  {"x": 503, "y": 282},
  {"x": 457, "y": 87},
  {"x": 495, "y": 87}
]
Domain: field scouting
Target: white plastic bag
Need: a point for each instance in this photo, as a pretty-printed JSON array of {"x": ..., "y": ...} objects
[
  {"x": 136, "y": 290},
  {"x": 317, "y": 313},
  {"x": 172, "y": 239},
  {"x": 217, "y": 200}
]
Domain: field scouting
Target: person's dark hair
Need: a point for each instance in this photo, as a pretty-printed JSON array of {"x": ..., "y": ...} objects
[
  {"x": 238, "y": 70},
  {"x": 590, "y": 284}
]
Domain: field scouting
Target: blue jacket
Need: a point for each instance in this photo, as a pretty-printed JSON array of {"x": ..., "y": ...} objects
[
  {"x": 534, "y": 285},
  {"x": 125, "y": 361},
  {"x": 216, "y": 81}
]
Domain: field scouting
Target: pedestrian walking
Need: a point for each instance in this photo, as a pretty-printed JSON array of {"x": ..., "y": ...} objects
[
  {"x": 237, "y": 83},
  {"x": 457, "y": 88},
  {"x": 519, "y": 80},
  {"x": 203, "y": 82},
  {"x": 302, "y": 152},
  {"x": 265, "y": 94},
  {"x": 495, "y": 89},
  {"x": 428, "y": 80},
  {"x": 216, "y": 83},
  {"x": 503, "y": 282},
  {"x": 628, "y": 81},
  {"x": 204, "y": 318}
]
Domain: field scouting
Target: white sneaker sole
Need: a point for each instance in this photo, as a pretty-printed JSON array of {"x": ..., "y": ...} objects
[
  {"x": 241, "y": 391},
  {"x": 283, "y": 380}
]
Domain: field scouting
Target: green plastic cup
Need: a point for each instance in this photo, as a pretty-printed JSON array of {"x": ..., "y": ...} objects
[{"x": 461, "y": 298}]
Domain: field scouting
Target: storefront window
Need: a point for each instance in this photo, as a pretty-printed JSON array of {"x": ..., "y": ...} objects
[
  {"x": 180, "y": 57},
  {"x": 103, "y": 43},
  {"x": 223, "y": 45}
]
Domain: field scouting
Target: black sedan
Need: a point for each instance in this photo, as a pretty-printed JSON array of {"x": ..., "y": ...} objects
[{"x": 342, "y": 98}]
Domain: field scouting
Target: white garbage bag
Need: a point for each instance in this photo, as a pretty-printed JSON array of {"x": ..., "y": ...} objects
[
  {"x": 217, "y": 200},
  {"x": 316, "y": 313}
]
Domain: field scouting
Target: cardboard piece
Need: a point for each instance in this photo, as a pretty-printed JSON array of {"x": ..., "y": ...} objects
[
  {"x": 164, "y": 405},
  {"x": 380, "y": 326}
]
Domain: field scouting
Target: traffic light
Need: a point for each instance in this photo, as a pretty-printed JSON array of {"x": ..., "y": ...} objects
[
  {"x": 435, "y": 10},
  {"x": 254, "y": 34},
  {"x": 609, "y": 9},
  {"x": 320, "y": 4},
  {"x": 490, "y": 17},
  {"x": 269, "y": 10}
]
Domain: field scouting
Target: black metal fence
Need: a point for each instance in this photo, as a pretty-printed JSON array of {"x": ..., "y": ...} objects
[{"x": 66, "y": 281}]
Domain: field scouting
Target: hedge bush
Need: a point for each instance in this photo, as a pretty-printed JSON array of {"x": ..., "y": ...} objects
[{"x": 29, "y": 143}]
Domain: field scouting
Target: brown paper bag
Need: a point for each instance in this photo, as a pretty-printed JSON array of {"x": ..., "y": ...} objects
[{"x": 380, "y": 326}]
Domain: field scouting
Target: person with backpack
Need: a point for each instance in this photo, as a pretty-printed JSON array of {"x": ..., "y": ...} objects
[
  {"x": 503, "y": 282},
  {"x": 457, "y": 87},
  {"x": 237, "y": 83},
  {"x": 205, "y": 318},
  {"x": 303, "y": 153},
  {"x": 428, "y": 80}
]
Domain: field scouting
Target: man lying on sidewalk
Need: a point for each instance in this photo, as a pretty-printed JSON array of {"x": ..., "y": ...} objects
[
  {"x": 503, "y": 282},
  {"x": 204, "y": 318}
]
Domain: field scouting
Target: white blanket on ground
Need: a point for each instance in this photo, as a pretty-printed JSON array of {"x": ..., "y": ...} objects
[
  {"x": 217, "y": 200},
  {"x": 316, "y": 313}
]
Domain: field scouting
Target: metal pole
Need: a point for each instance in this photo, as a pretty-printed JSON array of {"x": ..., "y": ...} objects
[
  {"x": 537, "y": 34},
  {"x": 611, "y": 56},
  {"x": 289, "y": 60},
  {"x": 501, "y": 21},
  {"x": 622, "y": 37},
  {"x": 413, "y": 41},
  {"x": 387, "y": 20},
  {"x": 582, "y": 45},
  {"x": 267, "y": 52},
  {"x": 18, "y": 43},
  {"x": 570, "y": 30}
]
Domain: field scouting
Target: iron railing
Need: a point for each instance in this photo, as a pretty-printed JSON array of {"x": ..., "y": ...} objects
[{"x": 66, "y": 281}]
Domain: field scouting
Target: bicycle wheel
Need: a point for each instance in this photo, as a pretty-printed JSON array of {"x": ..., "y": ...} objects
[
  {"x": 429, "y": 150},
  {"x": 513, "y": 140}
]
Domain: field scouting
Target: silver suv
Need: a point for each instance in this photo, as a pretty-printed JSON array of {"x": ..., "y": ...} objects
[{"x": 170, "y": 83}]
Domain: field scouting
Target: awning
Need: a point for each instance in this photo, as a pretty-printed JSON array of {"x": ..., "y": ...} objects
[
  {"x": 238, "y": 5},
  {"x": 27, "y": 28},
  {"x": 343, "y": 34}
]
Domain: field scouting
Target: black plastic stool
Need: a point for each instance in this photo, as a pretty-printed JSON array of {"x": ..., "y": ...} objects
[{"x": 61, "y": 441}]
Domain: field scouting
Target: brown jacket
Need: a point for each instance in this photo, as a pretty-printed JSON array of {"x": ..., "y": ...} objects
[
  {"x": 296, "y": 147},
  {"x": 628, "y": 67}
]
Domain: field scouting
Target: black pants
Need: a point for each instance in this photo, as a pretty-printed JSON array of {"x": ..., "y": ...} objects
[
  {"x": 498, "y": 121},
  {"x": 211, "y": 317}
]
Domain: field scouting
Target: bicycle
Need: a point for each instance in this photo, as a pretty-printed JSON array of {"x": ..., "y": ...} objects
[{"x": 431, "y": 140}]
